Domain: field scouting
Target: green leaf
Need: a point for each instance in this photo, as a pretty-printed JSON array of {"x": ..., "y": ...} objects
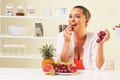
[{"x": 47, "y": 51}]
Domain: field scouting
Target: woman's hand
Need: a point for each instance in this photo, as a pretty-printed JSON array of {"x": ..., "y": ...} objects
[
  {"x": 67, "y": 33},
  {"x": 100, "y": 58},
  {"x": 106, "y": 37}
]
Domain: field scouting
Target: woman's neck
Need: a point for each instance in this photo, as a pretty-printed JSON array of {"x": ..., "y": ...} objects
[{"x": 81, "y": 36}]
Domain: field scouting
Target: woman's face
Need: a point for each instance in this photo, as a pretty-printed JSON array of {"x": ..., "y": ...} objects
[{"x": 77, "y": 20}]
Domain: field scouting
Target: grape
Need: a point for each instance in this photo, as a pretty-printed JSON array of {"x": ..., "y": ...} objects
[
  {"x": 65, "y": 68},
  {"x": 101, "y": 35},
  {"x": 98, "y": 40}
]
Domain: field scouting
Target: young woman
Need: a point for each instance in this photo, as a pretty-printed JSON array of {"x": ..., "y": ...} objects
[{"x": 77, "y": 45}]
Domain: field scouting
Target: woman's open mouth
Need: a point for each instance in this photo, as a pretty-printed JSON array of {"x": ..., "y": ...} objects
[{"x": 74, "y": 24}]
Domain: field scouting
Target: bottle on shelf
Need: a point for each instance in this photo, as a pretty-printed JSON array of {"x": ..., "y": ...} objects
[
  {"x": 5, "y": 49},
  {"x": 20, "y": 11},
  {"x": 22, "y": 49},
  {"x": 30, "y": 10},
  {"x": 38, "y": 28},
  {"x": 8, "y": 49},
  {"x": 9, "y": 10},
  {"x": 14, "y": 49}
]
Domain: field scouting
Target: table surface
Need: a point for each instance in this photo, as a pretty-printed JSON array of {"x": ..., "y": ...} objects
[{"x": 37, "y": 74}]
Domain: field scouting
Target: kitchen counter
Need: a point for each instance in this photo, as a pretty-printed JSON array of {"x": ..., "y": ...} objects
[{"x": 37, "y": 74}]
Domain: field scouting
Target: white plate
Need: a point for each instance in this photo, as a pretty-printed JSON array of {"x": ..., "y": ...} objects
[{"x": 67, "y": 73}]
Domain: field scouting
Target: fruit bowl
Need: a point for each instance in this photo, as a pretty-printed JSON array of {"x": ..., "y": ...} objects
[{"x": 117, "y": 31}]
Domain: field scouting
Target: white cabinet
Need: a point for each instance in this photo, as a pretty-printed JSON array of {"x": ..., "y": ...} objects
[{"x": 28, "y": 44}]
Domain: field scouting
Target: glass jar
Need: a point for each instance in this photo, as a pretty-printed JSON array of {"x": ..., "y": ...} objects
[
  {"x": 5, "y": 48},
  {"x": 9, "y": 10},
  {"x": 30, "y": 10},
  {"x": 22, "y": 49},
  {"x": 20, "y": 11}
]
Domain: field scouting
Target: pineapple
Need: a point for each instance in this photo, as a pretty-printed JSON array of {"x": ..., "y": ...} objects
[{"x": 47, "y": 54}]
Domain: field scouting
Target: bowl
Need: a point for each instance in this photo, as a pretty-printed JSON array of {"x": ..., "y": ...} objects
[
  {"x": 17, "y": 30},
  {"x": 117, "y": 31}
]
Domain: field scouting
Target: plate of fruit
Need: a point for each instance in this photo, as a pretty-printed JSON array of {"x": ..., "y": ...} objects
[
  {"x": 60, "y": 68},
  {"x": 65, "y": 68}
]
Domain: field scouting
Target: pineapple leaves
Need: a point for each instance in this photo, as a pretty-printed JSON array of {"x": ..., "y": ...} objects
[{"x": 47, "y": 51}]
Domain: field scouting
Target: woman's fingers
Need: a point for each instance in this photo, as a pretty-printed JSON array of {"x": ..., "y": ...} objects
[
  {"x": 67, "y": 33},
  {"x": 68, "y": 28},
  {"x": 107, "y": 36}
]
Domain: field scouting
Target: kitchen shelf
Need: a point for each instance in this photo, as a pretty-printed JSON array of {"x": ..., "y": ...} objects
[
  {"x": 30, "y": 56},
  {"x": 36, "y": 17},
  {"x": 32, "y": 37},
  {"x": 31, "y": 42}
]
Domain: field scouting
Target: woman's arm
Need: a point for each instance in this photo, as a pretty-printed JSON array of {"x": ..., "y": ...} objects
[
  {"x": 100, "y": 56},
  {"x": 100, "y": 51},
  {"x": 65, "y": 53}
]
